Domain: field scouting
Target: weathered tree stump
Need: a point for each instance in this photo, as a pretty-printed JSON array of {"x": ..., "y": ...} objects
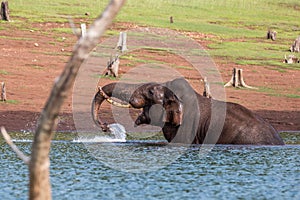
[
  {"x": 3, "y": 92},
  {"x": 4, "y": 11},
  {"x": 83, "y": 30},
  {"x": 271, "y": 35},
  {"x": 79, "y": 32},
  {"x": 291, "y": 59},
  {"x": 112, "y": 67},
  {"x": 171, "y": 20},
  {"x": 122, "y": 43},
  {"x": 206, "y": 91},
  {"x": 296, "y": 45},
  {"x": 237, "y": 79}
]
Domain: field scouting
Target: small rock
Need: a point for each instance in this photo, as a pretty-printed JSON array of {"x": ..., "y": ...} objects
[
  {"x": 36, "y": 44},
  {"x": 87, "y": 14},
  {"x": 31, "y": 31},
  {"x": 62, "y": 50}
]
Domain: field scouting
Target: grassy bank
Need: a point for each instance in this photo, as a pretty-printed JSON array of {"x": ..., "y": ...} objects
[
  {"x": 290, "y": 138},
  {"x": 238, "y": 27}
]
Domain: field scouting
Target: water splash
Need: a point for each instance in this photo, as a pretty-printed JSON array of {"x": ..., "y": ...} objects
[
  {"x": 118, "y": 134},
  {"x": 118, "y": 131}
]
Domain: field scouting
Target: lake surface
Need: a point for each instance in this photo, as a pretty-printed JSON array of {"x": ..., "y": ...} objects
[{"x": 156, "y": 170}]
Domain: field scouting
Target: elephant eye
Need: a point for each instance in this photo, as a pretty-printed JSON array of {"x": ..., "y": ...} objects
[{"x": 151, "y": 92}]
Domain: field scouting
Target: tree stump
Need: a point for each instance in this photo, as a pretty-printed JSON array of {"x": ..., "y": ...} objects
[
  {"x": 271, "y": 35},
  {"x": 171, "y": 20},
  {"x": 122, "y": 43},
  {"x": 291, "y": 59},
  {"x": 206, "y": 91},
  {"x": 79, "y": 32},
  {"x": 4, "y": 11},
  {"x": 296, "y": 45},
  {"x": 237, "y": 79},
  {"x": 3, "y": 92},
  {"x": 112, "y": 67},
  {"x": 83, "y": 30}
]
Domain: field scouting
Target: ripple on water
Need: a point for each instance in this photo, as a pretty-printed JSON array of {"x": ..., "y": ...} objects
[{"x": 227, "y": 172}]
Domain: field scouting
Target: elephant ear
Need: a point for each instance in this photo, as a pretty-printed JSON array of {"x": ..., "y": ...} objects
[{"x": 173, "y": 108}]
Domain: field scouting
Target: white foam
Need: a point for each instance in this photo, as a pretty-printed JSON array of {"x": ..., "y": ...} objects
[
  {"x": 22, "y": 140},
  {"x": 98, "y": 139},
  {"x": 118, "y": 134},
  {"x": 118, "y": 131}
]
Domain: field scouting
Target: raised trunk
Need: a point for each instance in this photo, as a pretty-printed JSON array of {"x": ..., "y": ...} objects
[{"x": 122, "y": 91}]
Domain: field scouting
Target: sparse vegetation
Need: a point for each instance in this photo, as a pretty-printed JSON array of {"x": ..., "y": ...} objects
[
  {"x": 10, "y": 101},
  {"x": 107, "y": 77},
  {"x": 291, "y": 137},
  {"x": 276, "y": 93},
  {"x": 296, "y": 96},
  {"x": 238, "y": 28},
  {"x": 4, "y": 72},
  {"x": 134, "y": 59}
]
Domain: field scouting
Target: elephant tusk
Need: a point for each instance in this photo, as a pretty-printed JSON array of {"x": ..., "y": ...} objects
[
  {"x": 120, "y": 105},
  {"x": 112, "y": 102}
]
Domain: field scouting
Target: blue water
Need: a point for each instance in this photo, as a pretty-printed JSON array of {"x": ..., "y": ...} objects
[{"x": 225, "y": 172}]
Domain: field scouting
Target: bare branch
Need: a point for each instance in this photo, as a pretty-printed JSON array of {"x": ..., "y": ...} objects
[
  {"x": 39, "y": 164},
  {"x": 19, "y": 153}
]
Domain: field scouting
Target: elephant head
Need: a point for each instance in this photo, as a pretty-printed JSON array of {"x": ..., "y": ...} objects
[
  {"x": 159, "y": 104},
  {"x": 147, "y": 95},
  {"x": 172, "y": 105}
]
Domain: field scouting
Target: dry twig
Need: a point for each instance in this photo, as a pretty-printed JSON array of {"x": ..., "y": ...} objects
[
  {"x": 19, "y": 153},
  {"x": 40, "y": 187}
]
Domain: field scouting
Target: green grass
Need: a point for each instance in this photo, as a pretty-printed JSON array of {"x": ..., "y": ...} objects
[
  {"x": 106, "y": 77},
  {"x": 266, "y": 90},
  {"x": 37, "y": 67},
  {"x": 16, "y": 38},
  {"x": 145, "y": 136},
  {"x": 274, "y": 93},
  {"x": 238, "y": 27},
  {"x": 291, "y": 137},
  {"x": 10, "y": 101},
  {"x": 135, "y": 59},
  {"x": 295, "y": 96},
  {"x": 182, "y": 67},
  {"x": 253, "y": 53},
  {"x": 4, "y": 72}
]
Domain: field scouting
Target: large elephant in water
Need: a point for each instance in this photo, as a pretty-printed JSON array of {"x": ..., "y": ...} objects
[{"x": 187, "y": 117}]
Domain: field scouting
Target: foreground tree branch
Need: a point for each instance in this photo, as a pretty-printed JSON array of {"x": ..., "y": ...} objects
[
  {"x": 19, "y": 153},
  {"x": 39, "y": 163}
]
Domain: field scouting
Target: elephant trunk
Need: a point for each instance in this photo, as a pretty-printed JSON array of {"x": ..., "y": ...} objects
[
  {"x": 122, "y": 91},
  {"x": 97, "y": 101}
]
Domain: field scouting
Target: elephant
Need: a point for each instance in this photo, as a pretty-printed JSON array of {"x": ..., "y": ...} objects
[{"x": 188, "y": 117}]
